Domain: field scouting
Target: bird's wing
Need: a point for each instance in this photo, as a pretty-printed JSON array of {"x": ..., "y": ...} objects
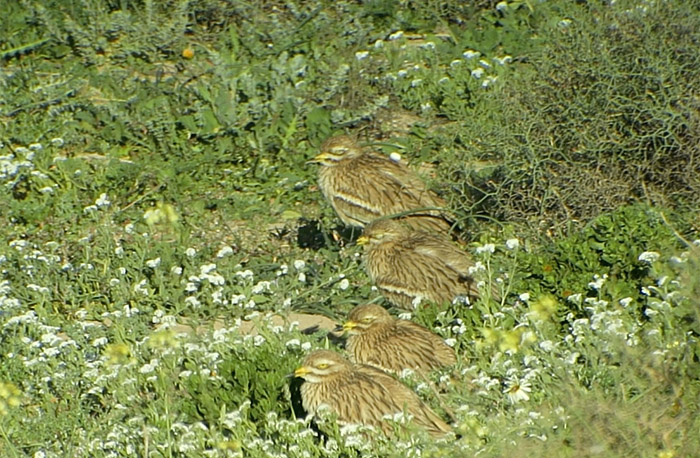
[
  {"x": 443, "y": 250},
  {"x": 401, "y": 184}
]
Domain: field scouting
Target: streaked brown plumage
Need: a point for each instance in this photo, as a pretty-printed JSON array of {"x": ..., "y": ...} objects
[
  {"x": 406, "y": 265},
  {"x": 362, "y": 186},
  {"x": 378, "y": 339},
  {"x": 362, "y": 394}
]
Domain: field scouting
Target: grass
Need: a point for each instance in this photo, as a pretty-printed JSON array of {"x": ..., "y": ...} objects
[{"x": 156, "y": 199}]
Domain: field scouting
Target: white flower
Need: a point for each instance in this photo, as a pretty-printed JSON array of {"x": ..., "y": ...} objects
[
  {"x": 260, "y": 287},
  {"x": 649, "y": 257},
  {"x": 416, "y": 301},
  {"x": 488, "y": 81},
  {"x": 103, "y": 201},
  {"x": 293, "y": 343},
  {"x": 190, "y": 252},
  {"x": 564, "y": 23},
  {"x": 477, "y": 73},
  {"x": 141, "y": 287},
  {"x": 416, "y": 82},
  {"x": 470, "y": 54},
  {"x": 150, "y": 367},
  {"x": 207, "y": 268},
  {"x": 302, "y": 277},
  {"x": 361, "y": 55},
  {"x": 502, "y": 6},
  {"x": 193, "y": 302},
  {"x": 503, "y": 60},
  {"x": 224, "y": 251},
  {"x": 245, "y": 274},
  {"x": 176, "y": 270},
  {"x": 451, "y": 342},
  {"x": 258, "y": 340},
  {"x": 598, "y": 281},
  {"x": 344, "y": 284},
  {"x": 306, "y": 346},
  {"x": 119, "y": 251},
  {"x": 626, "y": 301},
  {"x": 57, "y": 141},
  {"x": 517, "y": 391},
  {"x": 572, "y": 358},
  {"x": 477, "y": 267},
  {"x": 37, "y": 288},
  {"x": 512, "y": 244},
  {"x": 396, "y": 157},
  {"x": 299, "y": 264},
  {"x": 36, "y": 147},
  {"x": 396, "y": 35},
  {"x": 153, "y": 263},
  {"x": 100, "y": 341},
  {"x": 524, "y": 297},
  {"x": 214, "y": 279}
]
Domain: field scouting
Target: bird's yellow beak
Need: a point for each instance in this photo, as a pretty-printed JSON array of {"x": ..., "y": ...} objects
[
  {"x": 301, "y": 371},
  {"x": 318, "y": 159},
  {"x": 349, "y": 326},
  {"x": 363, "y": 240}
]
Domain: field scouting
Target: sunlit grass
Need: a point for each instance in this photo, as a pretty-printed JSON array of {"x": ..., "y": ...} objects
[{"x": 161, "y": 232}]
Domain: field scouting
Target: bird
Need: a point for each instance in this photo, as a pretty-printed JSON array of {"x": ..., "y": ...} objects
[
  {"x": 361, "y": 394},
  {"x": 378, "y": 339},
  {"x": 409, "y": 266},
  {"x": 364, "y": 185}
]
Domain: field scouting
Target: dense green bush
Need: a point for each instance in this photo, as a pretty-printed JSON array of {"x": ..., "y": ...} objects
[{"x": 154, "y": 192}]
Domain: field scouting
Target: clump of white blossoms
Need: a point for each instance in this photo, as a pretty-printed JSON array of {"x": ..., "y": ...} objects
[{"x": 649, "y": 257}]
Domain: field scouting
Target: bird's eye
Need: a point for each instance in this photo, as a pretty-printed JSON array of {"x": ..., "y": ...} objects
[
  {"x": 367, "y": 319},
  {"x": 322, "y": 366}
]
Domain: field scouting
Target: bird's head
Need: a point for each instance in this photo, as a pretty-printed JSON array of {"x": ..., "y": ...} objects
[
  {"x": 364, "y": 317},
  {"x": 381, "y": 231},
  {"x": 322, "y": 365},
  {"x": 335, "y": 150}
]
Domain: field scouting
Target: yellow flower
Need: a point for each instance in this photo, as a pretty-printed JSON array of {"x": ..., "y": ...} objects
[
  {"x": 163, "y": 339},
  {"x": 544, "y": 308},
  {"x": 510, "y": 340},
  {"x": 506, "y": 340},
  {"x": 117, "y": 353},
  {"x": 162, "y": 213},
  {"x": 10, "y": 396},
  {"x": 233, "y": 446}
]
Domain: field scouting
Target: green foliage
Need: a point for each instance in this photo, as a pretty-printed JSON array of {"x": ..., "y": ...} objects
[
  {"x": 608, "y": 246},
  {"x": 255, "y": 373},
  {"x": 596, "y": 115},
  {"x": 155, "y": 200}
]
